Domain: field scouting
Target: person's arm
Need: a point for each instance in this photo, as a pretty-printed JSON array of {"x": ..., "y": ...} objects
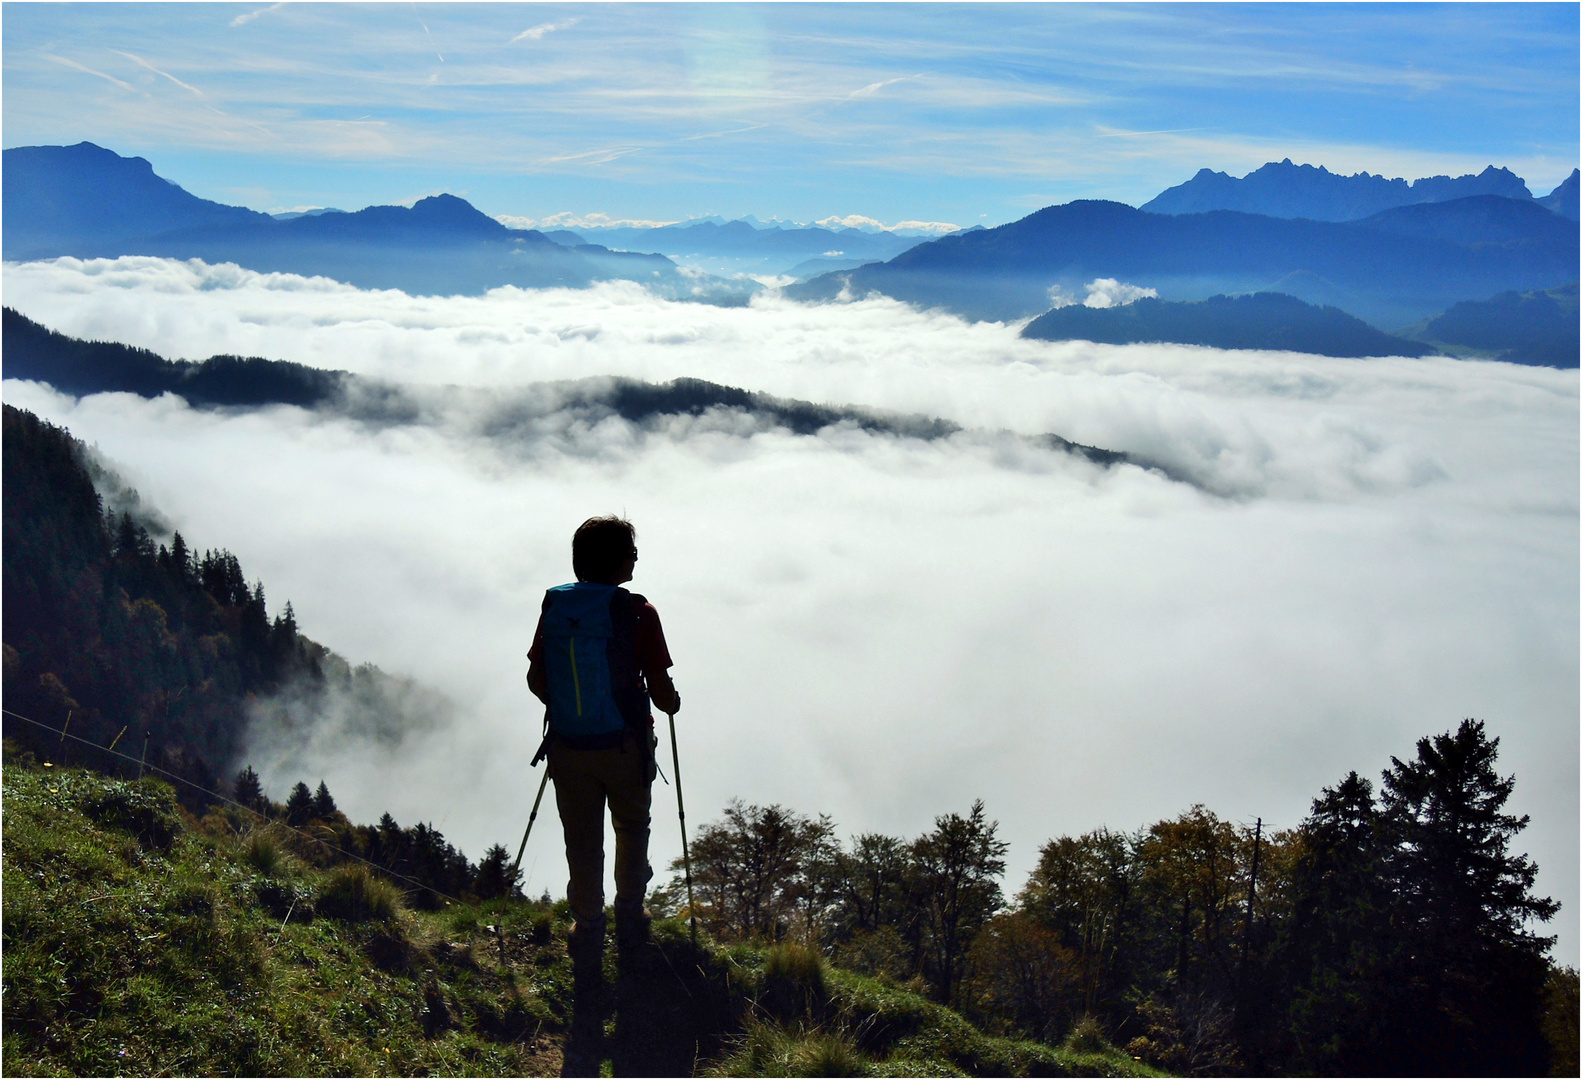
[
  {"x": 663, "y": 692},
  {"x": 537, "y": 677},
  {"x": 537, "y": 681},
  {"x": 653, "y": 656}
]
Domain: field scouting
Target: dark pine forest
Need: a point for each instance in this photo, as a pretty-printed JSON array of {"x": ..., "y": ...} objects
[
  {"x": 163, "y": 653},
  {"x": 1393, "y": 931}
]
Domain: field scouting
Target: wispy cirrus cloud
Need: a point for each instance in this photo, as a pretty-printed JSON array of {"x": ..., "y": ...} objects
[
  {"x": 61, "y": 60},
  {"x": 164, "y": 74},
  {"x": 594, "y": 157},
  {"x": 874, "y": 87},
  {"x": 538, "y": 33},
  {"x": 248, "y": 16}
]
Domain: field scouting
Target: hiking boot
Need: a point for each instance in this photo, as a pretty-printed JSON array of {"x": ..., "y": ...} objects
[
  {"x": 631, "y": 928},
  {"x": 586, "y": 936}
]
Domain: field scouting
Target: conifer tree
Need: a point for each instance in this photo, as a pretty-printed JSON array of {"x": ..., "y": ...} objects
[
  {"x": 1464, "y": 903},
  {"x": 299, "y": 806},
  {"x": 493, "y": 869},
  {"x": 323, "y": 804},
  {"x": 180, "y": 559},
  {"x": 249, "y": 792}
]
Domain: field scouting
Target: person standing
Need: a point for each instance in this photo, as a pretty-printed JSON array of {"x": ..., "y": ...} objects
[{"x": 598, "y": 659}]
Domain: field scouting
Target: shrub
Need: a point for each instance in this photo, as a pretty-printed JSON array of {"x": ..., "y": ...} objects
[
  {"x": 877, "y": 952},
  {"x": 265, "y": 851},
  {"x": 793, "y": 981},
  {"x": 828, "y": 1055},
  {"x": 146, "y": 809},
  {"x": 1088, "y": 1037},
  {"x": 353, "y": 893},
  {"x": 769, "y": 1050}
]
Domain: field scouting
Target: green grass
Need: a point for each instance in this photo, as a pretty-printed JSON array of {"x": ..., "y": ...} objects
[
  {"x": 868, "y": 1026},
  {"x": 136, "y": 943},
  {"x": 134, "y": 946}
]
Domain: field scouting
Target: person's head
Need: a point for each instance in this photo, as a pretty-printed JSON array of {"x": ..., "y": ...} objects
[{"x": 604, "y": 550}]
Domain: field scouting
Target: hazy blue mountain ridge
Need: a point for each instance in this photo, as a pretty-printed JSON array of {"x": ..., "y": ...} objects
[
  {"x": 742, "y": 247},
  {"x": 88, "y": 202},
  {"x": 1564, "y": 199},
  {"x": 1398, "y": 271},
  {"x": 1522, "y": 328},
  {"x": 1258, "y": 321},
  {"x": 1282, "y": 189},
  {"x": 59, "y": 200},
  {"x": 1476, "y": 221}
]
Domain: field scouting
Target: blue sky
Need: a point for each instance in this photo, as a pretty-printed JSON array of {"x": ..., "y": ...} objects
[{"x": 899, "y": 112}]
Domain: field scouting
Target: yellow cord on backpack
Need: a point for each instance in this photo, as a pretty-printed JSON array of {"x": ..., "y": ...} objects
[{"x": 576, "y": 683}]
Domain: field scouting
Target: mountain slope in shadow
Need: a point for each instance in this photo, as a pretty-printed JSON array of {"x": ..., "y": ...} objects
[{"x": 1259, "y": 321}]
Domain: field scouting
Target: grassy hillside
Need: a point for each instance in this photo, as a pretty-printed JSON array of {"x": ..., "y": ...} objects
[{"x": 139, "y": 941}]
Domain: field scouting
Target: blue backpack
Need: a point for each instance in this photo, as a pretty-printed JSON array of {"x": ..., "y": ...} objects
[{"x": 595, "y": 689}]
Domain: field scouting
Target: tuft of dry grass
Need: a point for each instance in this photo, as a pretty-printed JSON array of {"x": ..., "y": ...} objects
[{"x": 353, "y": 893}]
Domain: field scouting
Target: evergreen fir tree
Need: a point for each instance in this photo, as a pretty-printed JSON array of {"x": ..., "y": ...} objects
[
  {"x": 323, "y": 805},
  {"x": 490, "y": 881},
  {"x": 299, "y": 806},
  {"x": 249, "y": 792},
  {"x": 1464, "y": 902}
]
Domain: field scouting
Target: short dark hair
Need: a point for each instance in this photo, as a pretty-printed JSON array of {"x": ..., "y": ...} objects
[{"x": 601, "y": 544}]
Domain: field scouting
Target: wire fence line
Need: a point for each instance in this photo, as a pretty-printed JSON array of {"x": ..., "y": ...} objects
[{"x": 217, "y": 797}]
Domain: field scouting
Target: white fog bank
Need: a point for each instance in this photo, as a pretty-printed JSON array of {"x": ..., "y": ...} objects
[{"x": 882, "y": 628}]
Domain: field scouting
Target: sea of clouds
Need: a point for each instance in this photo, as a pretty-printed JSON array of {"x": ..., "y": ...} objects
[{"x": 1335, "y": 558}]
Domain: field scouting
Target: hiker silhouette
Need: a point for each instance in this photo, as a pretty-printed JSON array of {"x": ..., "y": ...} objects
[{"x": 598, "y": 659}]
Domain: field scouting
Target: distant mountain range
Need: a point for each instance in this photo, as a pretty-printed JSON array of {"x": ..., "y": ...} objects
[
  {"x": 1397, "y": 266},
  {"x": 89, "y": 202},
  {"x": 741, "y": 247},
  {"x": 1391, "y": 269},
  {"x": 1259, "y": 321},
  {"x": 1281, "y": 189}
]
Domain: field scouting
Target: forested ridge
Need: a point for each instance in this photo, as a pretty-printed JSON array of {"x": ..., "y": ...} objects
[
  {"x": 1392, "y": 931},
  {"x": 168, "y": 655}
]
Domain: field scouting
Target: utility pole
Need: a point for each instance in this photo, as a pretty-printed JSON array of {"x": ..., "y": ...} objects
[{"x": 1252, "y": 892}]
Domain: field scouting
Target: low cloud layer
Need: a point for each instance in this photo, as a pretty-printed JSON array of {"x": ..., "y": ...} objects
[
  {"x": 877, "y": 626},
  {"x": 1101, "y": 293}
]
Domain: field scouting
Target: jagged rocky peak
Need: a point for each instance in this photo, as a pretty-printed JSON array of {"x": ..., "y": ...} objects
[{"x": 1288, "y": 190}]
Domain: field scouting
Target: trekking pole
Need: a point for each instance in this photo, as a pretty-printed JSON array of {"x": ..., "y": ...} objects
[
  {"x": 681, "y": 811},
  {"x": 517, "y": 866}
]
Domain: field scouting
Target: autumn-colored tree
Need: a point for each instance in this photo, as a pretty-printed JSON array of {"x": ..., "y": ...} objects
[{"x": 1020, "y": 977}]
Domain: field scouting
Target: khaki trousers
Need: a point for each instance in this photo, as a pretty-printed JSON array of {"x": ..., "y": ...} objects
[{"x": 585, "y": 780}]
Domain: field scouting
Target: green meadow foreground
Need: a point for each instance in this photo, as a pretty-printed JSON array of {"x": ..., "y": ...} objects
[{"x": 140, "y": 941}]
